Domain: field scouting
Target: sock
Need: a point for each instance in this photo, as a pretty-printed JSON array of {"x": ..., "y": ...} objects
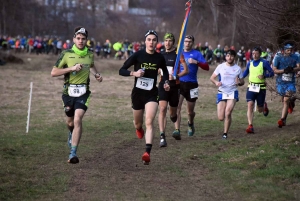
[
  {"x": 162, "y": 135},
  {"x": 190, "y": 124},
  {"x": 73, "y": 150},
  {"x": 148, "y": 148},
  {"x": 174, "y": 119}
]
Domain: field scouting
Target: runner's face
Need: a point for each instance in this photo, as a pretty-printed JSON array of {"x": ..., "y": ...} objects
[
  {"x": 151, "y": 42},
  {"x": 255, "y": 55},
  {"x": 229, "y": 59},
  {"x": 168, "y": 44},
  {"x": 188, "y": 44},
  {"x": 80, "y": 41},
  {"x": 287, "y": 52}
]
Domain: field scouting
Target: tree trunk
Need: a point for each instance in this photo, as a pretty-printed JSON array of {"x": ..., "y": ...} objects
[{"x": 233, "y": 25}]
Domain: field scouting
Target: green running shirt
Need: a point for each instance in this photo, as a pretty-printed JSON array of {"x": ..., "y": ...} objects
[{"x": 68, "y": 59}]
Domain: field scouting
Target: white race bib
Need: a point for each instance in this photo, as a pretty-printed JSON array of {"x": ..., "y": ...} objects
[
  {"x": 254, "y": 88},
  {"x": 194, "y": 93},
  {"x": 287, "y": 77},
  {"x": 76, "y": 90},
  {"x": 227, "y": 96},
  {"x": 144, "y": 83}
]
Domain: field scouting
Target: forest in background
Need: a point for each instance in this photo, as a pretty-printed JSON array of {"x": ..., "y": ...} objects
[{"x": 267, "y": 23}]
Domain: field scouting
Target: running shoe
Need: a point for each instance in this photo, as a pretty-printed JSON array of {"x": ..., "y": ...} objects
[
  {"x": 139, "y": 133},
  {"x": 70, "y": 140},
  {"x": 224, "y": 137},
  {"x": 163, "y": 142},
  {"x": 73, "y": 158},
  {"x": 281, "y": 122},
  {"x": 266, "y": 110},
  {"x": 291, "y": 106},
  {"x": 191, "y": 129},
  {"x": 146, "y": 158},
  {"x": 176, "y": 134},
  {"x": 250, "y": 129}
]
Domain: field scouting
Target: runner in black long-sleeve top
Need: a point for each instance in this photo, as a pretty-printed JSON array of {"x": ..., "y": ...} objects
[{"x": 144, "y": 94}]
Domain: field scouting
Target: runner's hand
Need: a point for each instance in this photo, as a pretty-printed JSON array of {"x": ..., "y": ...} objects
[
  {"x": 167, "y": 85},
  {"x": 98, "y": 77},
  {"x": 218, "y": 84},
  {"x": 192, "y": 61},
  {"x": 139, "y": 73},
  {"x": 288, "y": 70},
  {"x": 260, "y": 77},
  {"x": 77, "y": 67}
]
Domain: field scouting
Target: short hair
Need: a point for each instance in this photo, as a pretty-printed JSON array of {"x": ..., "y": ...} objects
[
  {"x": 231, "y": 52},
  {"x": 258, "y": 49}
]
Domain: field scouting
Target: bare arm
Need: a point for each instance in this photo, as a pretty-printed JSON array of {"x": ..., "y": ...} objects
[
  {"x": 97, "y": 75},
  {"x": 185, "y": 67},
  {"x": 61, "y": 71},
  {"x": 214, "y": 81}
]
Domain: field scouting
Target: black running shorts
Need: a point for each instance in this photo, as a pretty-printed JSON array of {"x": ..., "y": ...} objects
[
  {"x": 139, "y": 100},
  {"x": 73, "y": 103},
  {"x": 185, "y": 88},
  {"x": 171, "y": 96}
]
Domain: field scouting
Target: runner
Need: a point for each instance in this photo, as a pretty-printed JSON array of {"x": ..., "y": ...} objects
[
  {"x": 286, "y": 66},
  {"x": 189, "y": 85},
  {"x": 171, "y": 96},
  {"x": 230, "y": 75},
  {"x": 258, "y": 69},
  {"x": 76, "y": 64},
  {"x": 144, "y": 95}
]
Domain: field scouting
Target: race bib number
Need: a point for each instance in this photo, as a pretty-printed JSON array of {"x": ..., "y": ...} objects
[
  {"x": 194, "y": 93},
  {"x": 76, "y": 90},
  {"x": 144, "y": 83},
  {"x": 226, "y": 96},
  {"x": 287, "y": 77},
  {"x": 254, "y": 88}
]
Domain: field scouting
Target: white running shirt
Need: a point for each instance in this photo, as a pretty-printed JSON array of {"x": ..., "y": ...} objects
[{"x": 228, "y": 75}]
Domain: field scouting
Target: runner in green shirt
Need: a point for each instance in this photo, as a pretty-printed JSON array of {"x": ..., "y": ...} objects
[{"x": 76, "y": 64}]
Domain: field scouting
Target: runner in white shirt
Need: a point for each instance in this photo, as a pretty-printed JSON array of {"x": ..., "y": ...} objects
[{"x": 230, "y": 76}]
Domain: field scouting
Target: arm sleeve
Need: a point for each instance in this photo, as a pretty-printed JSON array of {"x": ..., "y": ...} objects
[
  {"x": 246, "y": 72},
  {"x": 202, "y": 62},
  {"x": 127, "y": 64},
  {"x": 268, "y": 71}
]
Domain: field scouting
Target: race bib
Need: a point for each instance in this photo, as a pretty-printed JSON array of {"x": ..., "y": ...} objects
[
  {"x": 194, "y": 93},
  {"x": 76, "y": 90},
  {"x": 287, "y": 77},
  {"x": 226, "y": 96},
  {"x": 218, "y": 54},
  {"x": 144, "y": 83},
  {"x": 244, "y": 58},
  {"x": 254, "y": 88}
]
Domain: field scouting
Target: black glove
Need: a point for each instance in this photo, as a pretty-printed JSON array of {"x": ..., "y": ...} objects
[{"x": 288, "y": 70}]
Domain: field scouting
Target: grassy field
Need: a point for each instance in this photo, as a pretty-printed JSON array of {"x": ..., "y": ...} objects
[{"x": 33, "y": 166}]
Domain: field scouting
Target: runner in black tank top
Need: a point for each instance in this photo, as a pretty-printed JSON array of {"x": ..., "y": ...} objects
[{"x": 171, "y": 96}]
